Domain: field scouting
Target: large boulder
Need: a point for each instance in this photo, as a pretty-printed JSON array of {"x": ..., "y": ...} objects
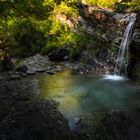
[
  {"x": 59, "y": 54},
  {"x": 35, "y": 63},
  {"x": 134, "y": 52}
]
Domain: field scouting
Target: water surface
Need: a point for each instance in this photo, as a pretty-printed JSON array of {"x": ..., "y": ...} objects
[{"x": 79, "y": 94}]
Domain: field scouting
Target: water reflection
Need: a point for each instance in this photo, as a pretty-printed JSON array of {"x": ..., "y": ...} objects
[{"x": 80, "y": 94}]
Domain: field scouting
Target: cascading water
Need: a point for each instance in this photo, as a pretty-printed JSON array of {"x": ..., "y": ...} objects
[{"x": 122, "y": 58}]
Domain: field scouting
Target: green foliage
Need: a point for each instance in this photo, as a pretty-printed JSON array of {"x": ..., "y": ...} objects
[
  {"x": 34, "y": 26},
  {"x": 129, "y": 5},
  {"x": 31, "y": 26},
  {"x": 26, "y": 40},
  {"x": 101, "y": 3},
  {"x": 74, "y": 53}
]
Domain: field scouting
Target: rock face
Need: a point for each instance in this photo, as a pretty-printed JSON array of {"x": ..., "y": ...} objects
[
  {"x": 107, "y": 25},
  {"x": 103, "y": 24},
  {"x": 122, "y": 126},
  {"x": 134, "y": 52}
]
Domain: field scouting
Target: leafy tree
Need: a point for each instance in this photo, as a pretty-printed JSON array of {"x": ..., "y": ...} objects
[{"x": 31, "y": 26}]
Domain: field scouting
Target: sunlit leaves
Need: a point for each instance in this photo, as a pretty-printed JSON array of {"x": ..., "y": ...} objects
[
  {"x": 65, "y": 9},
  {"x": 111, "y": 3},
  {"x": 28, "y": 21}
]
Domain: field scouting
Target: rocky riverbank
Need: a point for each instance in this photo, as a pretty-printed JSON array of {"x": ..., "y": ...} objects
[
  {"x": 23, "y": 117},
  {"x": 40, "y": 63}
]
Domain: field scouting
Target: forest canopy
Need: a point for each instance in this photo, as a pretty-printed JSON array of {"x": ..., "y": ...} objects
[{"x": 31, "y": 26}]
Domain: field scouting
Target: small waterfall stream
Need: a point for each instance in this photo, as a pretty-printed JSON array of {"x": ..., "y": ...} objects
[{"x": 122, "y": 59}]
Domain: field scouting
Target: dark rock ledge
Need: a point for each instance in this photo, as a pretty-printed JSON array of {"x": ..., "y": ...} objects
[
  {"x": 122, "y": 125},
  {"x": 22, "y": 118}
]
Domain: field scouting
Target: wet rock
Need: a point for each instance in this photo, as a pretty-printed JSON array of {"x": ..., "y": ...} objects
[
  {"x": 122, "y": 126},
  {"x": 22, "y": 68},
  {"x": 122, "y": 19},
  {"x": 133, "y": 68},
  {"x": 59, "y": 54}
]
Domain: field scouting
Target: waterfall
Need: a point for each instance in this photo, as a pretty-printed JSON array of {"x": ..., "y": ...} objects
[{"x": 122, "y": 57}]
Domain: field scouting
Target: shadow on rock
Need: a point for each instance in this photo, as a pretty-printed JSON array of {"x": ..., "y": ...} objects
[{"x": 22, "y": 118}]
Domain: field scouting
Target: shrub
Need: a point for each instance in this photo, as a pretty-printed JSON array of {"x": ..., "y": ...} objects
[{"x": 27, "y": 40}]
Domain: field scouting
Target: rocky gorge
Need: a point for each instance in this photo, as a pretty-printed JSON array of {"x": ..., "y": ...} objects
[{"x": 18, "y": 106}]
